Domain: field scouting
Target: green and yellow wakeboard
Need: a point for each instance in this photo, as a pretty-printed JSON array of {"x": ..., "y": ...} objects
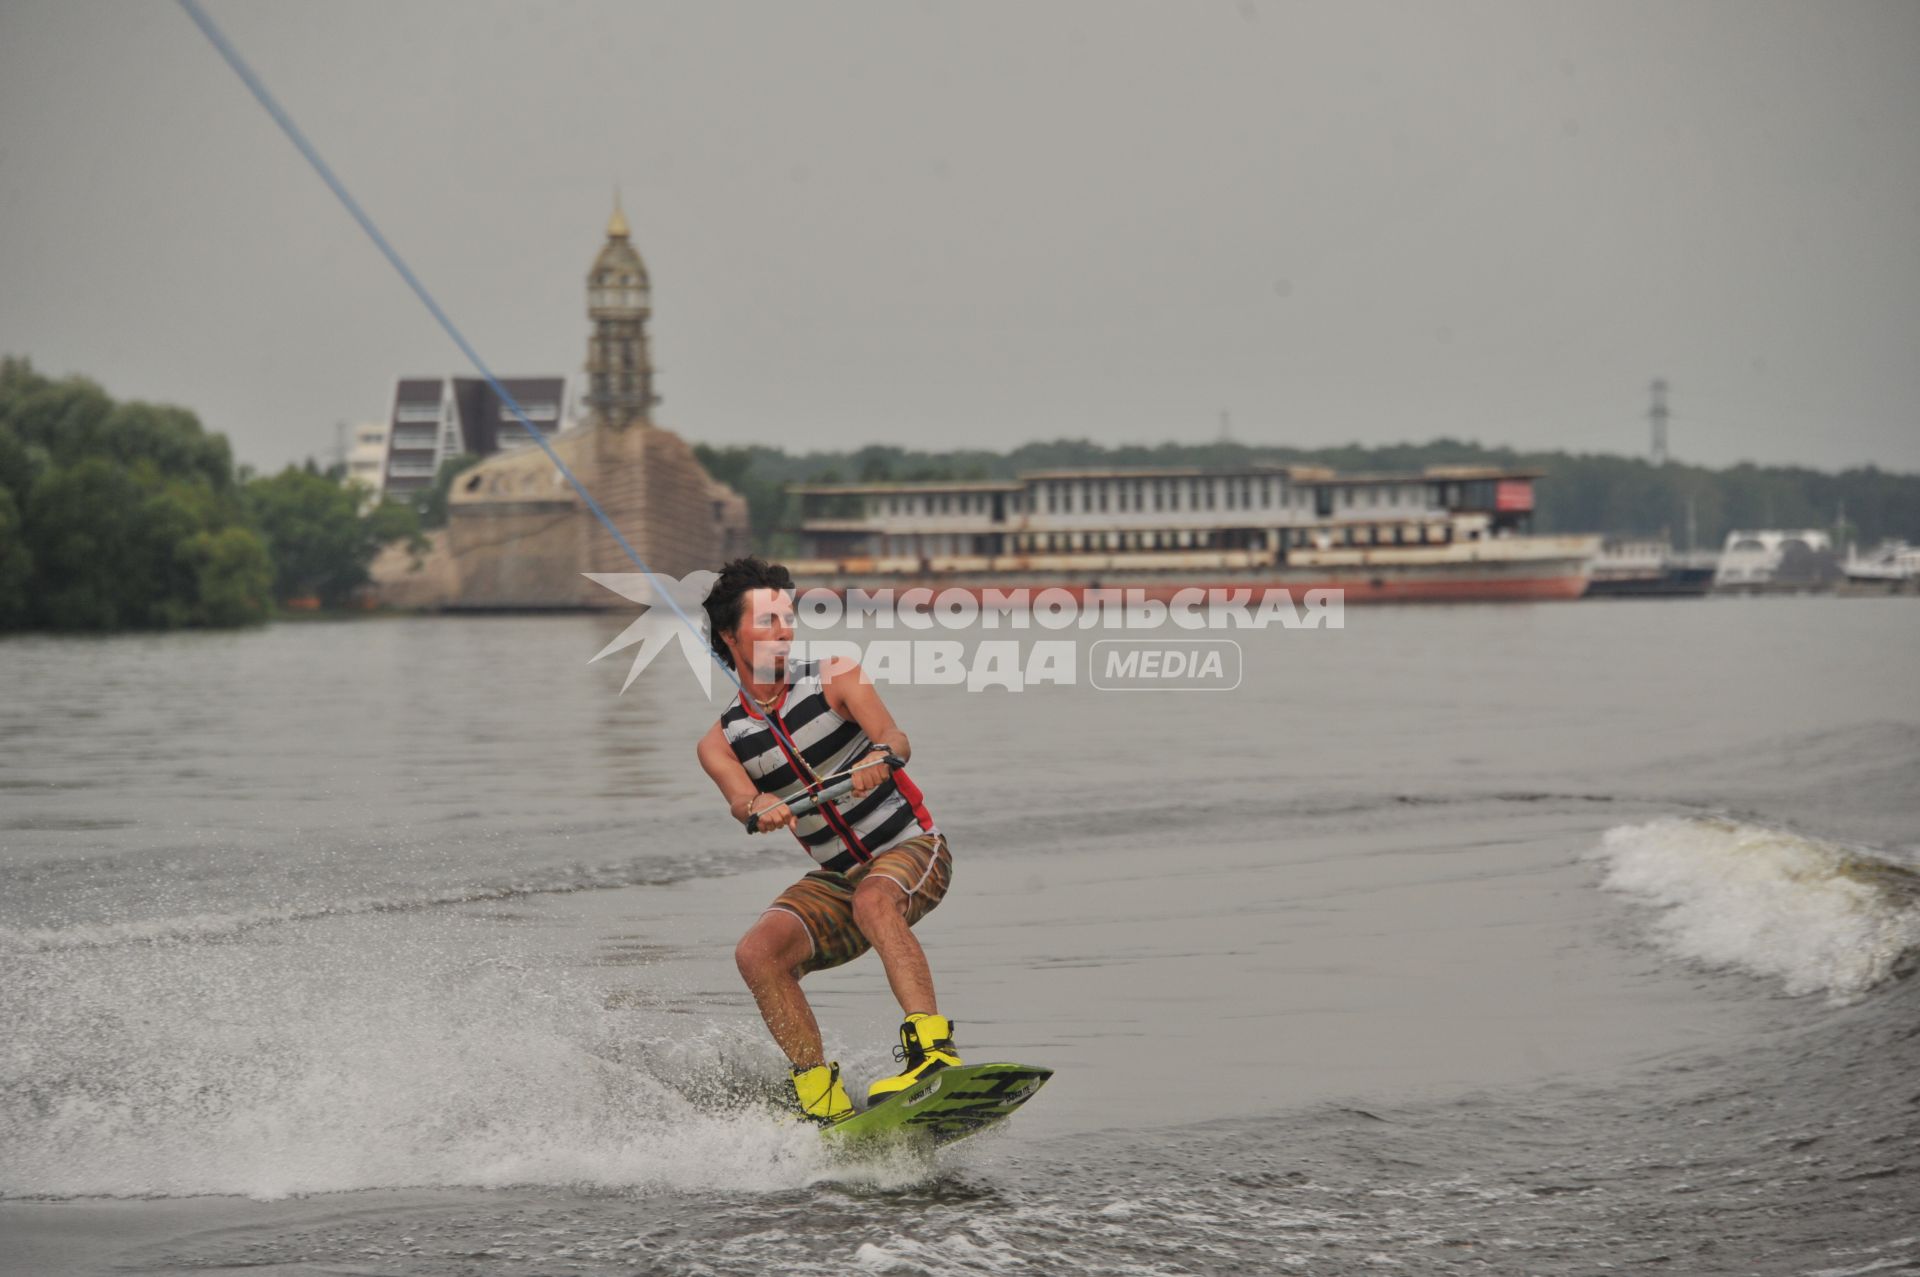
[{"x": 945, "y": 1106}]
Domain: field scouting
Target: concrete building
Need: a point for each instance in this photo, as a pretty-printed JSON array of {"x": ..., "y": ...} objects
[
  {"x": 367, "y": 457},
  {"x": 1272, "y": 508},
  {"x": 1447, "y": 533}
]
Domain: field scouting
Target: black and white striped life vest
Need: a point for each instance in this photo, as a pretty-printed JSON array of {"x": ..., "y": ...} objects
[{"x": 838, "y": 835}]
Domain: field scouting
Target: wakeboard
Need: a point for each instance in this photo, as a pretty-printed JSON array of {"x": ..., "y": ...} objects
[{"x": 945, "y": 1106}]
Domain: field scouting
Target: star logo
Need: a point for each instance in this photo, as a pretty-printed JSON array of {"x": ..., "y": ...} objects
[{"x": 658, "y": 626}]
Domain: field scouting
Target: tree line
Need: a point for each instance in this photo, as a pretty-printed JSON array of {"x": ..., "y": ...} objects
[
  {"x": 132, "y": 516},
  {"x": 1582, "y": 492}
]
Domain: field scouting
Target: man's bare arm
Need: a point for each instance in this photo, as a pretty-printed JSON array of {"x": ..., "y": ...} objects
[{"x": 716, "y": 757}]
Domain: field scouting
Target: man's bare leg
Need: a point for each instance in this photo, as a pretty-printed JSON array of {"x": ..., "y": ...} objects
[
  {"x": 768, "y": 955},
  {"x": 880, "y": 911}
]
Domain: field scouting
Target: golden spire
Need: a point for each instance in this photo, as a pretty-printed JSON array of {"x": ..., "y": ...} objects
[{"x": 617, "y": 224}]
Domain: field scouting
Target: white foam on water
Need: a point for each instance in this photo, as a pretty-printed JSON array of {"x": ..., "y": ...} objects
[
  {"x": 394, "y": 1052},
  {"x": 1816, "y": 916}
]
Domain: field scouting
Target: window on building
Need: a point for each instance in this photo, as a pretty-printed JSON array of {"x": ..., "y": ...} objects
[{"x": 1103, "y": 498}]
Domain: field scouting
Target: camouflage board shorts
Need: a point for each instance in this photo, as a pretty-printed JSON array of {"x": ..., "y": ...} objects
[{"x": 823, "y": 900}]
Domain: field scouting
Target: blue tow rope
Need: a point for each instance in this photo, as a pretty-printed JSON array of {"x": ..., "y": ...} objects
[{"x": 259, "y": 90}]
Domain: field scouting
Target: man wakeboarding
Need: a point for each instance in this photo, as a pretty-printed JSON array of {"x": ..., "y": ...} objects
[{"x": 882, "y": 863}]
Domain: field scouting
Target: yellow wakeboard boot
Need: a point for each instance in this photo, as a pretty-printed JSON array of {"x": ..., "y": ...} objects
[
  {"x": 820, "y": 1095},
  {"x": 926, "y": 1047}
]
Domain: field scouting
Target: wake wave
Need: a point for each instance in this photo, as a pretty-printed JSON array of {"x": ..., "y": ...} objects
[
  {"x": 1817, "y": 916},
  {"x": 187, "y": 928},
  {"x": 440, "y": 1052}
]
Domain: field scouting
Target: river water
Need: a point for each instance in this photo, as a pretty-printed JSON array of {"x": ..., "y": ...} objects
[{"x": 1553, "y": 939}]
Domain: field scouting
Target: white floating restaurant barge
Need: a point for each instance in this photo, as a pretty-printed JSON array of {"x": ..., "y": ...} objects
[{"x": 1448, "y": 533}]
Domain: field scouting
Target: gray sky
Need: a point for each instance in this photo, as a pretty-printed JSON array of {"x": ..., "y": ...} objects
[{"x": 983, "y": 223}]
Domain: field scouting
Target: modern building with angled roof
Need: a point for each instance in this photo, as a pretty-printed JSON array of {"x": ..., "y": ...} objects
[{"x": 435, "y": 419}]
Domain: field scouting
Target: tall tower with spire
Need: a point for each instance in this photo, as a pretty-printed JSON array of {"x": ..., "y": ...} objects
[
  {"x": 619, "y": 365},
  {"x": 518, "y": 537}
]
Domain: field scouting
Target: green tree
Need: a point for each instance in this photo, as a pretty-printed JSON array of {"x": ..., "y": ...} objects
[
  {"x": 319, "y": 544},
  {"x": 766, "y": 497},
  {"x": 117, "y": 515},
  {"x": 16, "y": 564},
  {"x": 84, "y": 526},
  {"x": 391, "y": 521},
  {"x": 110, "y": 546},
  {"x": 18, "y": 464},
  {"x": 233, "y": 574}
]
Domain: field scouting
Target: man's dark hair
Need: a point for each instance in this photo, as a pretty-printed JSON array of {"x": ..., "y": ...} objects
[{"x": 724, "y": 599}]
